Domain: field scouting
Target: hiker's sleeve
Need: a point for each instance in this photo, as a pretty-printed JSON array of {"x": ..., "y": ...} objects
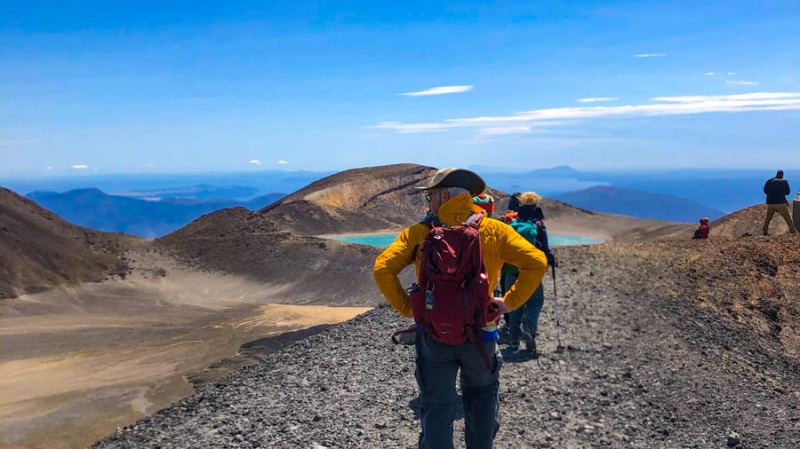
[
  {"x": 387, "y": 266},
  {"x": 532, "y": 264},
  {"x": 545, "y": 244}
]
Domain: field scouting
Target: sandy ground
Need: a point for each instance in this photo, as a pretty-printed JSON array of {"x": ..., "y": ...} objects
[{"x": 76, "y": 363}]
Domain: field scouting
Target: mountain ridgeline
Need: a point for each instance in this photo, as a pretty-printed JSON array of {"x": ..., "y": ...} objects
[
  {"x": 39, "y": 250},
  {"x": 144, "y": 218},
  {"x": 640, "y": 204}
]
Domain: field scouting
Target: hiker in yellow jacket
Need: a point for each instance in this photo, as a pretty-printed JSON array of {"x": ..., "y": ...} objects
[{"x": 450, "y": 195}]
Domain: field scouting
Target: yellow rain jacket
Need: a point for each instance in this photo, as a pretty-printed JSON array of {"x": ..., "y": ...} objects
[{"x": 499, "y": 241}]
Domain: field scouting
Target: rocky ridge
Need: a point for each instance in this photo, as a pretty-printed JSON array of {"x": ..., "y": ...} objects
[{"x": 748, "y": 221}]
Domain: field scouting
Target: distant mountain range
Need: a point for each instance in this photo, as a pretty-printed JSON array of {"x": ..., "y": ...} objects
[
  {"x": 636, "y": 203},
  {"x": 225, "y": 185},
  {"x": 687, "y": 194},
  {"x": 725, "y": 190},
  {"x": 95, "y": 209},
  {"x": 199, "y": 193}
]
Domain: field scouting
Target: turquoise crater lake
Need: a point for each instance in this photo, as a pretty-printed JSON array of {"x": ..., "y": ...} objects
[{"x": 384, "y": 240}]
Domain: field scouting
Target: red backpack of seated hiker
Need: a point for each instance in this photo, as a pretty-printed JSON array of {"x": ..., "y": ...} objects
[
  {"x": 451, "y": 299},
  {"x": 702, "y": 231}
]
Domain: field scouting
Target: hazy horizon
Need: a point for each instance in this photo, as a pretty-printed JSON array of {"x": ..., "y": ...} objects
[{"x": 50, "y": 174}]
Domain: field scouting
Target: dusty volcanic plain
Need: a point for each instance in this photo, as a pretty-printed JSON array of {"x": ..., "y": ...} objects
[{"x": 79, "y": 361}]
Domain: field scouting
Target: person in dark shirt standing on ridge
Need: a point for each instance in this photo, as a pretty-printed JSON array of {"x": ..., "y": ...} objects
[{"x": 776, "y": 190}]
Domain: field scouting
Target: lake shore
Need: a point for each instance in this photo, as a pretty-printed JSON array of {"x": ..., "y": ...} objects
[
  {"x": 566, "y": 228},
  {"x": 372, "y": 233},
  {"x": 554, "y": 226},
  {"x": 381, "y": 239}
]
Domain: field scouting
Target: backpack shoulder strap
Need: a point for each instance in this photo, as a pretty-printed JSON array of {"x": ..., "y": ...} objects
[
  {"x": 474, "y": 221},
  {"x": 430, "y": 221}
]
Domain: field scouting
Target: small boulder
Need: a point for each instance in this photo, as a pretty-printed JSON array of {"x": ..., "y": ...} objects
[{"x": 733, "y": 439}]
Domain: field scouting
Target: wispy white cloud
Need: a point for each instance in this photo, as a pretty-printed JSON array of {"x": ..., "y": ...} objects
[
  {"x": 597, "y": 99},
  {"x": 79, "y": 167},
  {"x": 710, "y": 73},
  {"x": 741, "y": 83},
  {"x": 503, "y": 130},
  {"x": 731, "y": 98},
  {"x": 413, "y": 128},
  {"x": 255, "y": 162},
  {"x": 439, "y": 91},
  {"x": 731, "y": 73},
  {"x": 282, "y": 162},
  {"x": 661, "y": 106},
  {"x": 649, "y": 55}
]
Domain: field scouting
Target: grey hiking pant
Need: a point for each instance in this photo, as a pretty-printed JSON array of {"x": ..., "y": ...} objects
[{"x": 437, "y": 367}]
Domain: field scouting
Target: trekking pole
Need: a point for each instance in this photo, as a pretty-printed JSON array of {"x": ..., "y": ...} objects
[{"x": 558, "y": 315}]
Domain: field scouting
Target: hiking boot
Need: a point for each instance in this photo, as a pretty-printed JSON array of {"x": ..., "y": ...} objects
[
  {"x": 514, "y": 346},
  {"x": 530, "y": 344},
  {"x": 408, "y": 338}
]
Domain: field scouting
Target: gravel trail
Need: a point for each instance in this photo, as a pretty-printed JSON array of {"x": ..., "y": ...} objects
[{"x": 643, "y": 367}]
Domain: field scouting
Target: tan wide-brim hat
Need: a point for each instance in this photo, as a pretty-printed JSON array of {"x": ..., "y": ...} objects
[{"x": 456, "y": 177}]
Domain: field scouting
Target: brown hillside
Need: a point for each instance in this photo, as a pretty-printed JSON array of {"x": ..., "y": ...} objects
[
  {"x": 379, "y": 198},
  {"x": 654, "y": 230},
  {"x": 747, "y": 221},
  {"x": 755, "y": 280},
  {"x": 39, "y": 250},
  {"x": 359, "y": 200},
  {"x": 238, "y": 241}
]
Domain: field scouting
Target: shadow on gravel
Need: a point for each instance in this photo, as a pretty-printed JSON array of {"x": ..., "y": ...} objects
[
  {"x": 519, "y": 356},
  {"x": 250, "y": 353}
]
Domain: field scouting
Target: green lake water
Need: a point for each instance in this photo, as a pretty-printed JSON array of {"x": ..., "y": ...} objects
[{"x": 384, "y": 240}]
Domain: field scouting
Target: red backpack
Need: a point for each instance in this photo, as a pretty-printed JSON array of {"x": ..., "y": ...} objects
[{"x": 451, "y": 300}]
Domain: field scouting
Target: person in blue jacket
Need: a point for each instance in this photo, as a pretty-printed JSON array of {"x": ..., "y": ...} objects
[{"x": 529, "y": 222}]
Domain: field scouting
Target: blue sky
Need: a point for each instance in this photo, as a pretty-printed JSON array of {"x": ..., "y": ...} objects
[{"x": 179, "y": 86}]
